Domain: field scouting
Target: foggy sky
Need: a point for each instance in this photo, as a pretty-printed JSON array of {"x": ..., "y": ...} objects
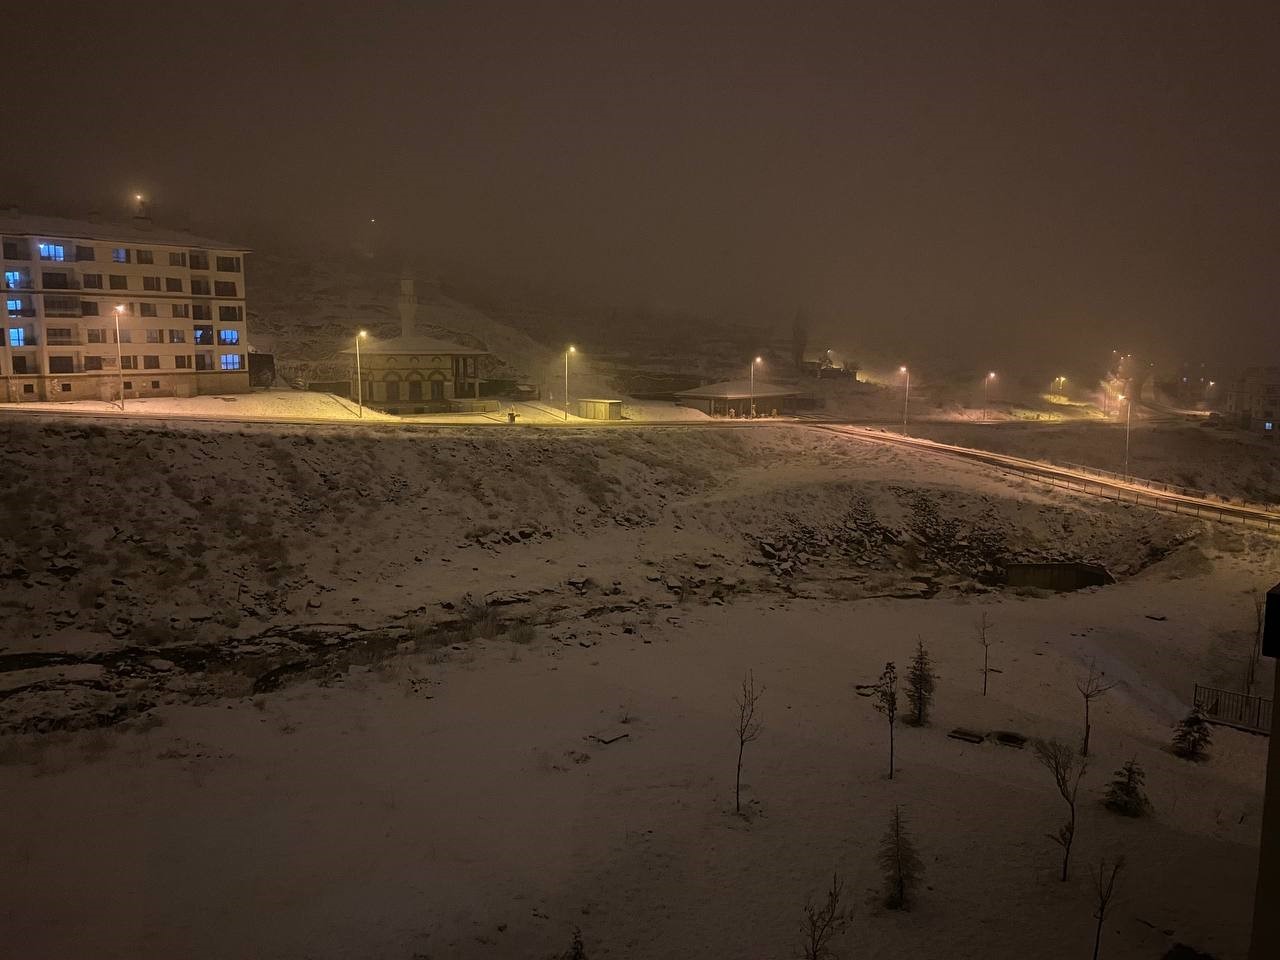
[{"x": 989, "y": 179}]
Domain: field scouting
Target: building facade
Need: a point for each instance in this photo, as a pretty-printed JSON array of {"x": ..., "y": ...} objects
[
  {"x": 413, "y": 374},
  {"x": 181, "y": 315},
  {"x": 1254, "y": 401}
]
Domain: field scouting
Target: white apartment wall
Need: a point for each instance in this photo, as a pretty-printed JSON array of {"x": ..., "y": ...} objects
[{"x": 229, "y": 335}]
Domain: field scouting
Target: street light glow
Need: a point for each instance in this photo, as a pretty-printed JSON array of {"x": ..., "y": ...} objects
[
  {"x": 991, "y": 375},
  {"x": 364, "y": 333}
]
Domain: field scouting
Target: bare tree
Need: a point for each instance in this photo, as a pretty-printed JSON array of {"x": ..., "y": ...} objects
[
  {"x": 748, "y": 728},
  {"x": 1259, "y": 620},
  {"x": 886, "y": 694},
  {"x": 1060, "y": 760},
  {"x": 1091, "y": 688},
  {"x": 900, "y": 863},
  {"x": 824, "y": 922},
  {"x": 1104, "y": 884},
  {"x": 984, "y": 625},
  {"x": 921, "y": 681}
]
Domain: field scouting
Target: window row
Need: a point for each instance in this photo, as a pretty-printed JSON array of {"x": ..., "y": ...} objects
[
  {"x": 55, "y": 251},
  {"x": 56, "y": 306},
  {"x": 92, "y": 364},
  {"x": 200, "y": 334}
]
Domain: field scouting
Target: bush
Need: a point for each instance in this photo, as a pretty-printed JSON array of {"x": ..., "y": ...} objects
[{"x": 521, "y": 631}]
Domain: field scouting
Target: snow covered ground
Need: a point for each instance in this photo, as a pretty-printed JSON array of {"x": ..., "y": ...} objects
[
  {"x": 261, "y": 404},
  {"x": 307, "y": 405},
  {"x": 243, "y": 716}
]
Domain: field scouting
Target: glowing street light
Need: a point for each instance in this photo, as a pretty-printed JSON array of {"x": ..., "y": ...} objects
[
  {"x": 906, "y": 396},
  {"x": 572, "y": 349},
  {"x": 119, "y": 309},
  {"x": 1059, "y": 384},
  {"x": 986, "y": 393},
  {"x": 751, "y": 411},
  {"x": 359, "y": 383}
]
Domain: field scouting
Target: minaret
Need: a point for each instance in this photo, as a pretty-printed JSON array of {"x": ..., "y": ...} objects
[{"x": 408, "y": 304}]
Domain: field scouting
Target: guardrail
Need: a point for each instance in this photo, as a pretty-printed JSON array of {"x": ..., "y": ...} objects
[
  {"x": 1164, "y": 487},
  {"x": 1243, "y": 711}
]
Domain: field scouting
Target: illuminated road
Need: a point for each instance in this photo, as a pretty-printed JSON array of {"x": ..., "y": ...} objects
[{"x": 1083, "y": 481}]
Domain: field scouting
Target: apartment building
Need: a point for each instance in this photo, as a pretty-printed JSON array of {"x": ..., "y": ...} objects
[
  {"x": 178, "y": 300},
  {"x": 1254, "y": 401}
]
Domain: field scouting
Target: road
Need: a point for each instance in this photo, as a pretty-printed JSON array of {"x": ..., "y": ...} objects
[{"x": 1128, "y": 491}]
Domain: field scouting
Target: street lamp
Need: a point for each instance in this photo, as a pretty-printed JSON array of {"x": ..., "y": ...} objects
[
  {"x": 986, "y": 393},
  {"x": 906, "y": 396},
  {"x": 119, "y": 309},
  {"x": 1059, "y": 384},
  {"x": 1128, "y": 422},
  {"x": 359, "y": 382},
  {"x": 751, "y": 411},
  {"x": 571, "y": 349}
]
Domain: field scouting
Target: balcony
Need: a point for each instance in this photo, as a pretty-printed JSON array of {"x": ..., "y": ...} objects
[
  {"x": 55, "y": 281},
  {"x": 64, "y": 341},
  {"x": 18, "y": 283}
]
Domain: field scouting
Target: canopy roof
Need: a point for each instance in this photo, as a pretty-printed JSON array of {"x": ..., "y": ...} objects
[{"x": 738, "y": 389}]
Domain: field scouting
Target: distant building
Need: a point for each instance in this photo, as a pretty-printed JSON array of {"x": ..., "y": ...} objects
[
  {"x": 182, "y": 327},
  {"x": 413, "y": 374},
  {"x": 734, "y": 398},
  {"x": 1254, "y": 401}
]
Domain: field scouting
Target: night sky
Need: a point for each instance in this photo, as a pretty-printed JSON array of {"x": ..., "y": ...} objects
[{"x": 989, "y": 179}]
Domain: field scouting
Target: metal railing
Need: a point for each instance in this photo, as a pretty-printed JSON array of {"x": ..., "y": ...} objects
[
  {"x": 1241, "y": 710},
  {"x": 1162, "y": 486}
]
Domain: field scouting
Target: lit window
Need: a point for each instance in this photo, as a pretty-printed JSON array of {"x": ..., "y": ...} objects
[
  {"x": 15, "y": 307},
  {"x": 228, "y": 336},
  {"x": 1267, "y": 425},
  {"x": 13, "y": 279},
  {"x": 17, "y": 337},
  {"x": 120, "y": 254},
  {"x": 52, "y": 251},
  {"x": 230, "y": 361}
]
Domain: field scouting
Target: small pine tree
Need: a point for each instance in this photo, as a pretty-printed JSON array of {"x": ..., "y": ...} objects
[
  {"x": 920, "y": 684},
  {"x": 900, "y": 863},
  {"x": 1192, "y": 735},
  {"x": 1125, "y": 794}
]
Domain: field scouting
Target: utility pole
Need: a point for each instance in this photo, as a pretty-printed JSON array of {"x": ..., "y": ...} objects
[
  {"x": 119, "y": 309},
  {"x": 566, "y": 381},
  {"x": 906, "y": 396},
  {"x": 359, "y": 382}
]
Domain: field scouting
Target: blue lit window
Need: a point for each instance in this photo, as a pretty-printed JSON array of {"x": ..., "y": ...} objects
[
  {"x": 52, "y": 251},
  {"x": 120, "y": 254},
  {"x": 230, "y": 361},
  {"x": 13, "y": 279},
  {"x": 228, "y": 336},
  {"x": 1268, "y": 425},
  {"x": 17, "y": 337},
  {"x": 15, "y": 306}
]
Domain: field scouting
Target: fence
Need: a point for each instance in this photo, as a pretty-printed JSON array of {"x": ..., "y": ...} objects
[
  {"x": 1241, "y": 710},
  {"x": 1160, "y": 486}
]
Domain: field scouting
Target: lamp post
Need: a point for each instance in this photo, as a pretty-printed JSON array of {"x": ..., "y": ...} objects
[
  {"x": 1059, "y": 384},
  {"x": 571, "y": 349},
  {"x": 751, "y": 410},
  {"x": 986, "y": 393},
  {"x": 359, "y": 381},
  {"x": 119, "y": 309},
  {"x": 906, "y": 396},
  {"x": 1128, "y": 423}
]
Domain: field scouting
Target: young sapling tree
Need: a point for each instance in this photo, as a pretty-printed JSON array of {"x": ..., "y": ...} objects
[
  {"x": 823, "y": 922},
  {"x": 1104, "y": 886},
  {"x": 920, "y": 684},
  {"x": 1060, "y": 760},
  {"x": 748, "y": 728},
  {"x": 1091, "y": 687},
  {"x": 886, "y": 694},
  {"x": 984, "y": 638},
  {"x": 899, "y": 862}
]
